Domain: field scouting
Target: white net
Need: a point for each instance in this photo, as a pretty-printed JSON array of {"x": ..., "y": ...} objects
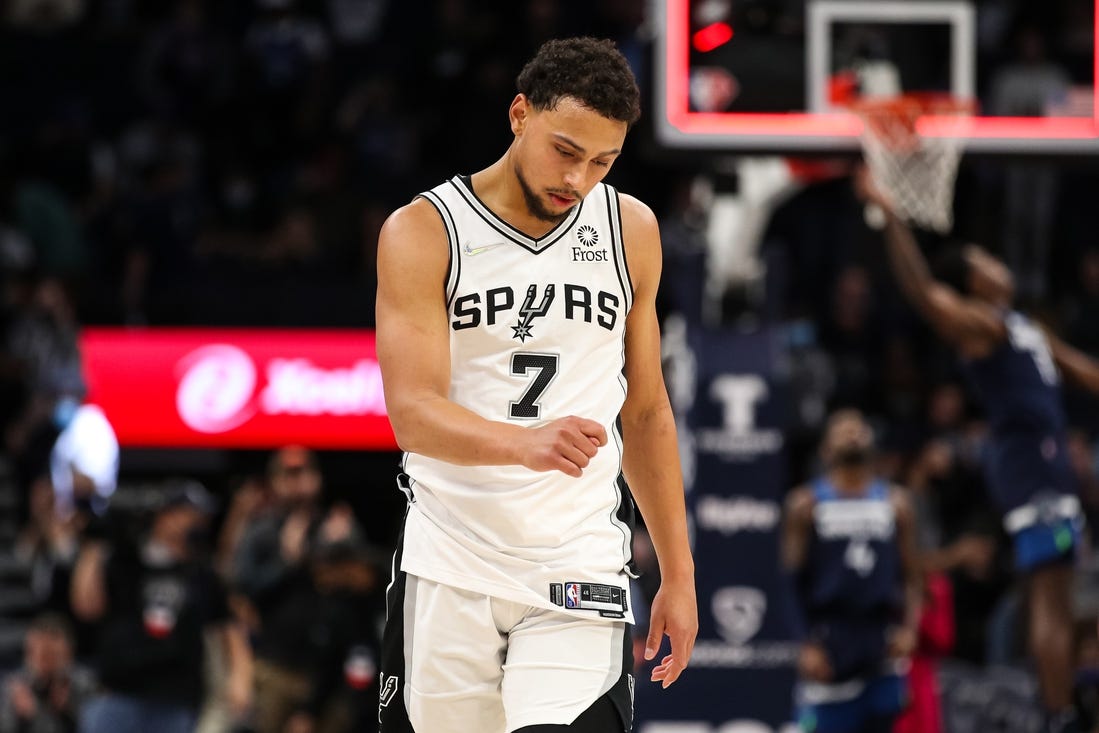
[{"x": 917, "y": 172}]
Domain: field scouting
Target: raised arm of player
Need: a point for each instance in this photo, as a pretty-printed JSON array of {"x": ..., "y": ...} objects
[
  {"x": 650, "y": 458},
  {"x": 1077, "y": 366},
  {"x": 413, "y": 339},
  {"x": 956, "y": 318}
]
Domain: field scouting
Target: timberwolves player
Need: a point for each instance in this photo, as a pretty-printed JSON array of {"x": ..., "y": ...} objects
[
  {"x": 849, "y": 542},
  {"x": 1016, "y": 369},
  {"x": 519, "y": 346}
]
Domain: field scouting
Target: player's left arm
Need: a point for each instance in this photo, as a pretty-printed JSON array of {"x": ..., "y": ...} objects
[
  {"x": 1077, "y": 366},
  {"x": 650, "y": 458},
  {"x": 903, "y": 641}
]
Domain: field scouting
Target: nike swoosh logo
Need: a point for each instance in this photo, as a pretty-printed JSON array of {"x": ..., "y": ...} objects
[{"x": 470, "y": 250}]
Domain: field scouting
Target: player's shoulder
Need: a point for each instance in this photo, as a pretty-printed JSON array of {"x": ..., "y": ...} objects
[
  {"x": 635, "y": 212},
  {"x": 418, "y": 218}
]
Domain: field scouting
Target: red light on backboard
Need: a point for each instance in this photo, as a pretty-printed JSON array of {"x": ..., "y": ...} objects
[
  {"x": 1063, "y": 131},
  {"x": 712, "y": 36}
]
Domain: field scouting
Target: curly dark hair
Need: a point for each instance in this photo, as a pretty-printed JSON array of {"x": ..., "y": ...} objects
[{"x": 590, "y": 70}]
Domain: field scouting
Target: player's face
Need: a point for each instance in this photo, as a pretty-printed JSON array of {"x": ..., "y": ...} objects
[
  {"x": 990, "y": 279},
  {"x": 848, "y": 439},
  {"x": 561, "y": 153}
]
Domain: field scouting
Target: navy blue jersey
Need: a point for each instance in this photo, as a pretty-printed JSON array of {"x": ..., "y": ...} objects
[
  {"x": 1018, "y": 382},
  {"x": 1020, "y": 388},
  {"x": 853, "y": 566},
  {"x": 853, "y": 581}
]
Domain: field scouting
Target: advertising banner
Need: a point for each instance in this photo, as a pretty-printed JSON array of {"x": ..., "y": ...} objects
[
  {"x": 726, "y": 389},
  {"x": 238, "y": 388}
]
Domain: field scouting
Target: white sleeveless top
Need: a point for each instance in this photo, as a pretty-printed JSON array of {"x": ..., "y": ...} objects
[{"x": 536, "y": 333}]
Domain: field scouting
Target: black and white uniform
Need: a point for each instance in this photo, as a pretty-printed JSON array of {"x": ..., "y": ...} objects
[{"x": 511, "y": 600}]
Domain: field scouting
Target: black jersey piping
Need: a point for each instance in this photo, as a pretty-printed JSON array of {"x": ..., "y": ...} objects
[
  {"x": 454, "y": 265},
  {"x": 464, "y": 187},
  {"x": 618, "y": 246}
]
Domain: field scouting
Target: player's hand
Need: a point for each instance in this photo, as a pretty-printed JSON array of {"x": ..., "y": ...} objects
[
  {"x": 567, "y": 445},
  {"x": 674, "y": 614},
  {"x": 813, "y": 663},
  {"x": 22, "y": 699}
]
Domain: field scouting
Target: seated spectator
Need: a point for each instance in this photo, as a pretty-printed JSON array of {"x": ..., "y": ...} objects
[
  {"x": 46, "y": 694},
  {"x": 154, "y": 599}
]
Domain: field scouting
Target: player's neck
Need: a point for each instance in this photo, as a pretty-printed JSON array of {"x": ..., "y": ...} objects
[
  {"x": 499, "y": 189},
  {"x": 851, "y": 481}
]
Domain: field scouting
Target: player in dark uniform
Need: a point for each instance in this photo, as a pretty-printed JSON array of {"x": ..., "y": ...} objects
[
  {"x": 849, "y": 542},
  {"x": 1016, "y": 368}
]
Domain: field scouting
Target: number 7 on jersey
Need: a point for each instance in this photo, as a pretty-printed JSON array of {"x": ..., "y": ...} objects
[{"x": 543, "y": 367}]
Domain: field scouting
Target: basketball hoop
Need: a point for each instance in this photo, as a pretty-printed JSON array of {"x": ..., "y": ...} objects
[{"x": 912, "y": 144}]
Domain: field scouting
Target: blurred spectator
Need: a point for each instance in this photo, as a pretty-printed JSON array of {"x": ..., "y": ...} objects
[
  {"x": 48, "y": 544},
  {"x": 46, "y": 694},
  {"x": 84, "y": 458},
  {"x": 1029, "y": 87},
  {"x": 153, "y": 599},
  {"x": 249, "y": 500},
  {"x": 187, "y": 67},
  {"x": 42, "y": 345},
  {"x": 935, "y": 640},
  {"x": 273, "y": 571},
  {"x": 344, "y": 634},
  {"x": 850, "y": 333}
]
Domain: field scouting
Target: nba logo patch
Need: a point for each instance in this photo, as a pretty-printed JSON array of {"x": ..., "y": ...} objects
[{"x": 572, "y": 595}]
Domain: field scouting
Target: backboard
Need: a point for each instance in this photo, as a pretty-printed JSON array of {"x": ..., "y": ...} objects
[{"x": 770, "y": 75}]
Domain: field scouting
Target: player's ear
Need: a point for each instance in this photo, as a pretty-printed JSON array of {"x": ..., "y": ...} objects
[{"x": 518, "y": 113}]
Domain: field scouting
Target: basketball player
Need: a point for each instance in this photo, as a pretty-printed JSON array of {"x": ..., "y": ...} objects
[
  {"x": 1016, "y": 368},
  {"x": 519, "y": 346},
  {"x": 849, "y": 541}
]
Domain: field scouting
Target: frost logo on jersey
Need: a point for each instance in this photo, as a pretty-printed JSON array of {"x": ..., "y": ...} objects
[
  {"x": 528, "y": 312},
  {"x": 217, "y": 383},
  {"x": 588, "y": 236},
  {"x": 738, "y": 611}
]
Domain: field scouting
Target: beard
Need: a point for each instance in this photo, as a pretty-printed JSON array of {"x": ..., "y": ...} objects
[
  {"x": 534, "y": 203},
  {"x": 852, "y": 456}
]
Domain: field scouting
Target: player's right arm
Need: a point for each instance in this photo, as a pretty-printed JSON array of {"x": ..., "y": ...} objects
[
  {"x": 956, "y": 318},
  {"x": 797, "y": 525},
  {"x": 797, "y": 522},
  {"x": 1077, "y": 366},
  {"x": 413, "y": 343}
]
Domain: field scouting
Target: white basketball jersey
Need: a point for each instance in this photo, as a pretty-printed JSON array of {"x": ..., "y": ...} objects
[{"x": 536, "y": 333}]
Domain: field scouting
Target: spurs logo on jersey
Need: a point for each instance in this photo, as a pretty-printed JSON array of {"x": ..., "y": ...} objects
[
  {"x": 578, "y": 304},
  {"x": 536, "y": 333}
]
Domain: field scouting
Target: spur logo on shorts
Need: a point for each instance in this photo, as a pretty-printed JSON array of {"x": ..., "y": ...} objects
[{"x": 389, "y": 685}]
